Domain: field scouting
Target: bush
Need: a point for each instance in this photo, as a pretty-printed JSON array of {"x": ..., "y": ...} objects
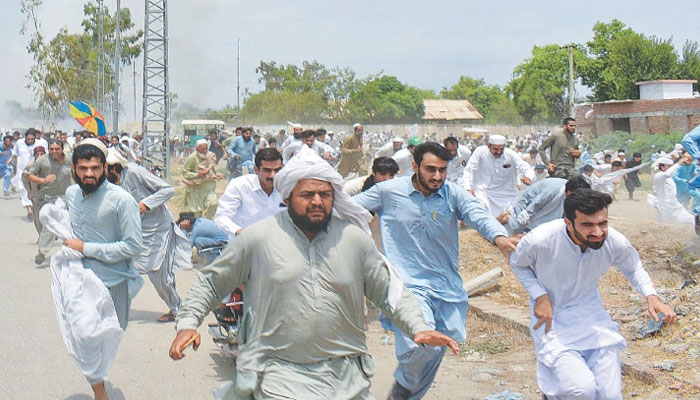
[{"x": 636, "y": 142}]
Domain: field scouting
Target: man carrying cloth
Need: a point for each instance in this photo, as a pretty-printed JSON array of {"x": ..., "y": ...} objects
[{"x": 306, "y": 273}]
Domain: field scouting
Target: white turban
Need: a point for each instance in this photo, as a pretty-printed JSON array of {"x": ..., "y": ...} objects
[
  {"x": 115, "y": 157},
  {"x": 307, "y": 164},
  {"x": 202, "y": 141},
  {"x": 356, "y": 126},
  {"x": 294, "y": 125},
  {"x": 665, "y": 160},
  {"x": 397, "y": 139},
  {"x": 497, "y": 140},
  {"x": 94, "y": 142}
]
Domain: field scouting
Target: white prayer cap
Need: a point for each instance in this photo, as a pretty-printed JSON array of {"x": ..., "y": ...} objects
[
  {"x": 620, "y": 153},
  {"x": 665, "y": 160},
  {"x": 329, "y": 132},
  {"x": 114, "y": 157},
  {"x": 355, "y": 126},
  {"x": 307, "y": 164},
  {"x": 678, "y": 146},
  {"x": 497, "y": 140},
  {"x": 397, "y": 139},
  {"x": 202, "y": 141},
  {"x": 94, "y": 142}
]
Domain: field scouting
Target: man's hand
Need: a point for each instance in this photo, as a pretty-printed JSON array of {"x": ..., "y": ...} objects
[
  {"x": 656, "y": 306},
  {"x": 75, "y": 244},
  {"x": 506, "y": 244},
  {"x": 550, "y": 167},
  {"x": 181, "y": 339},
  {"x": 238, "y": 232},
  {"x": 575, "y": 152},
  {"x": 471, "y": 191},
  {"x": 526, "y": 180},
  {"x": 545, "y": 312},
  {"x": 50, "y": 178},
  {"x": 504, "y": 217},
  {"x": 435, "y": 338},
  {"x": 143, "y": 208}
]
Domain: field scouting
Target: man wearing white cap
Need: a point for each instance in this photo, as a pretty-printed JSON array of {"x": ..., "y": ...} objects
[
  {"x": 389, "y": 148},
  {"x": 297, "y": 129},
  {"x": 351, "y": 153},
  {"x": 668, "y": 209},
  {"x": 107, "y": 226},
  {"x": 306, "y": 273},
  {"x": 459, "y": 158},
  {"x": 492, "y": 174},
  {"x": 166, "y": 247},
  {"x": 200, "y": 180}
]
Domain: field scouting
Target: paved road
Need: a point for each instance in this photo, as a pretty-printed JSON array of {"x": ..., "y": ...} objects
[{"x": 34, "y": 362}]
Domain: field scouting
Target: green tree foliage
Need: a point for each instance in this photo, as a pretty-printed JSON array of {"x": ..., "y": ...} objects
[
  {"x": 280, "y": 106},
  {"x": 385, "y": 99},
  {"x": 65, "y": 67},
  {"x": 540, "y": 83},
  {"x": 689, "y": 67},
  {"x": 490, "y": 100}
]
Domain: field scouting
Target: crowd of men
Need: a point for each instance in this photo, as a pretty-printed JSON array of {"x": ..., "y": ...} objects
[{"x": 297, "y": 233}]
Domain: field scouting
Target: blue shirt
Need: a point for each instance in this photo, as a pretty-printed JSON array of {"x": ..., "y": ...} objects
[
  {"x": 206, "y": 228},
  {"x": 691, "y": 142},
  {"x": 244, "y": 149},
  {"x": 420, "y": 234},
  {"x": 540, "y": 202},
  {"x": 108, "y": 221},
  {"x": 5, "y": 155}
]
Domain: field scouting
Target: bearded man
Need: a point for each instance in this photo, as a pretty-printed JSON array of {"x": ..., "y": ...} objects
[
  {"x": 560, "y": 263},
  {"x": 200, "y": 180},
  {"x": 305, "y": 272}
]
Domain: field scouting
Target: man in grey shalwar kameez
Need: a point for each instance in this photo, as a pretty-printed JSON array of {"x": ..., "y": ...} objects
[
  {"x": 166, "y": 247},
  {"x": 305, "y": 274}
]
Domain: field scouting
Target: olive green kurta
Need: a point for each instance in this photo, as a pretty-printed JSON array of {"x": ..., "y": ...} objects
[
  {"x": 200, "y": 191},
  {"x": 351, "y": 158},
  {"x": 302, "y": 331}
]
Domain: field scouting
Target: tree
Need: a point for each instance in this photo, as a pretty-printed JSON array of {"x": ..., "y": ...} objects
[
  {"x": 385, "y": 99},
  {"x": 66, "y": 67},
  {"x": 540, "y": 82},
  {"x": 490, "y": 100},
  {"x": 689, "y": 67}
]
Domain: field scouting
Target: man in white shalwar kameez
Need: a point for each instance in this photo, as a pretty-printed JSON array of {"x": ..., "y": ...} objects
[
  {"x": 23, "y": 152},
  {"x": 560, "y": 263},
  {"x": 491, "y": 174},
  {"x": 459, "y": 158},
  {"x": 165, "y": 247},
  {"x": 668, "y": 209}
]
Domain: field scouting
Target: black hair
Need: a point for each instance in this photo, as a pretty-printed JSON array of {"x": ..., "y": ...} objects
[
  {"x": 87, "y": 152},
  {"x": 607, "y": 155},
  {"x": 450, "y": 140},
  {"x": 566, "y": 120},
  {"x": 7, "y": 137},
  {"x": 433, "y": 148},
  {"x": 186, "y": 216},
  {"x": 577, "y": 182},
  {"x": 587, "y": 167},
  {"x": 271, "y": 140},
  {"x": 532, "y": 151},
  {"x": 585, "y": 201},
  {"x": 54, "y": 141},
  {"x": 320, "y": 132},
  {"x": 30, "y": 131},
  {"x": 637, "y": 154},
  {"x": 617, "y": 163},
  {"x": 256, "y": 136},
  {"x": 268, "y": 154},
  {"x": 620, "y": 150},
  {"x": 239, "y": 128},
  {"x": 308, "y": 133},
  {"x": 247, "y": 129},
  {"x": 385, "y": 165}
]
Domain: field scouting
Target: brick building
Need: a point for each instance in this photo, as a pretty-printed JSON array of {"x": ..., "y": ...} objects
[{"x": 657, "y": 116}]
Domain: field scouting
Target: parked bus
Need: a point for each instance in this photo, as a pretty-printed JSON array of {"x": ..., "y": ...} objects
[{"x": 195, "y": 129}]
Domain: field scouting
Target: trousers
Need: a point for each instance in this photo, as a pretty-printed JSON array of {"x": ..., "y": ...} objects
[{"x": 582, "y": 375}]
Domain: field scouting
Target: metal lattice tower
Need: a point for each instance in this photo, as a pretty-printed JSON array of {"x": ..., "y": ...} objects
[{"x": 155, "y": 125}]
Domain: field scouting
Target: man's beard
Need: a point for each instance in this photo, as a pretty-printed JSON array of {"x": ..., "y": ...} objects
[
  {"x": 588, "y": 244},
  {"x": 89, "y": 188},
  {"x": 112, "y": 177},
  {"x": 425, "y": 184},
  {"x": 305, "y": 224}
]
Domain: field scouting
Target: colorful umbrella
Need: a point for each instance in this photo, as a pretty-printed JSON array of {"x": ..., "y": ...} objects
[{"x": 89, "y": 117}]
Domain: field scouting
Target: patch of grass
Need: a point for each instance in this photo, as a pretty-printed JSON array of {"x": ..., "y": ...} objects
[{"x": 492, "y": 345}]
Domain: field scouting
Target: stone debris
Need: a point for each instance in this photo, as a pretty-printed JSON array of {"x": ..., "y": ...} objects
[
  {"x": 505, "y": 395},
  {"x": 667, "y": 366},
  {"x": 652, "y": 326}
]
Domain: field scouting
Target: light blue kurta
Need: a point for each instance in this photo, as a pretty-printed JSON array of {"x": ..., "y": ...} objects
[
  {"x": 540, "y": 202},
  {"x": 108, "y": 223}
]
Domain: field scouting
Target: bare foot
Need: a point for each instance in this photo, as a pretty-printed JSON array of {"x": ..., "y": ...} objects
[
  {"x": 167, "y": 317},
  {"x": 100, "y": 391}
]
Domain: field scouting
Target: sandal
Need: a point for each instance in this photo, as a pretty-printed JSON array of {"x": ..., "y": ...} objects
[{"x": 167, "y": 317}]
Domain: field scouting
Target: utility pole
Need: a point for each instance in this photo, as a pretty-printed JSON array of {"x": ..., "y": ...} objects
[
  {"x": 117, "y": 63},
  {"x": 100, "y": 95},
  {"x": 238, "y": 78},
  {"x": 133, "y": 77},
  {"x": 571, "y": 81}
]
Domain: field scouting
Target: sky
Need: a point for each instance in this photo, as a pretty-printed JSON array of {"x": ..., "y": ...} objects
[{"x": 428, "y": 44}]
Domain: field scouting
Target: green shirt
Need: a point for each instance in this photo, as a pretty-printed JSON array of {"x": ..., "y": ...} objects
[
  {"x": 560, "y": 143},
  {"x": 304, "y": 299},
  {"x": 45, "y": 166}
]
